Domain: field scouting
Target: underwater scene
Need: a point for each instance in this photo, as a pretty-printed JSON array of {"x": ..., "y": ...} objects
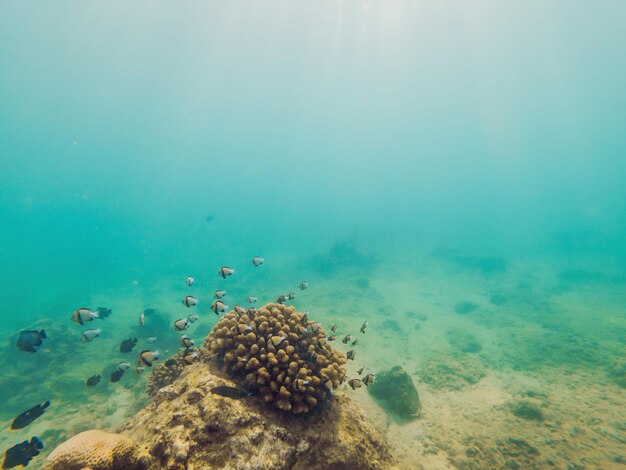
[{"x": 369, "y": 234}]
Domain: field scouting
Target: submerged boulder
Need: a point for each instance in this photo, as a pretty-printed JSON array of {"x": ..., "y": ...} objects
[
  {"x": 395, "y": 392},
  {"x": 201, "y": 423}
]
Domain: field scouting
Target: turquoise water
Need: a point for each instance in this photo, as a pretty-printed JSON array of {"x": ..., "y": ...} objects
[{"x": 460, "y": 161}]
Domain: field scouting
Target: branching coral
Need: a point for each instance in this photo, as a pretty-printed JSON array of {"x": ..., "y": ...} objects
[{"x": 281, "y": 354}]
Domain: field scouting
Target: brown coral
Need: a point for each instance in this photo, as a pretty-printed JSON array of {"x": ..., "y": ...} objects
[
  {"x": 96, "y": 450},
  {"x": 281, "y": 354}
]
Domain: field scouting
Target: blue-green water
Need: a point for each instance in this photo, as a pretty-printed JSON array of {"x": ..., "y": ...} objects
[{"x": 460, "y": 161}]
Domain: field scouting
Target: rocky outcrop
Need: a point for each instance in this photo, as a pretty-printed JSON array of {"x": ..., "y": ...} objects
[
  {"x": 95, "y": 450},
  {"x": 189, "y": 427}
]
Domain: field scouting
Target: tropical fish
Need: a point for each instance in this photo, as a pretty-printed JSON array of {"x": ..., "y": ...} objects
[
  {"x": 354, "y": 383},
  {"x": 242, "y": 329},
  {"x": 190, "y": 357},
  {"x": 360, "y": 371},
  {"x": 192, "y": 318},
  {"x": 240, "y": 310},
  {"x": 219, "y": 307},
  {"x": 351, "y": 354},
  {"x": 142, "y": 319},
  {"x": 251, "y": 312},
  {"x": 257, "y": 260},
  {"x": 225, "y": 271},
  {"x": 369, "y": 379},
  {"x": 148, "y": 357},
  {"x": 333, "y": 328},
  {"x": 82, "y": 314},
  {"x": 229, "y": 392},
  {"x": 93, "y": 380},
  {"x": 346, "y": 339},
  {"x": 332, "y": 338},
  {"x": 190, "y": 301},
  {"x": 90, "y": 335},
  {"x": 363, "y": 326},
  {"x": 281, "y": 299},
  {"x": 117, "y": 375},
  {"x": 303, "y": 285},
  {"x": 123, "y": 366},
  {"x": 189, "y": 280},
  {"x": 127, "y": 345},
  {"x": 29, "y": 339},
  {"x": 24, "y": 419},
  {"x": 171, "y": 362},
  {"x": 252, "y": 300},
  {"x": 218, "y": 294},
  {"x": 186, "y": 341},
  {"x": 354, "y": 343},
  {"x": 291, "y": 296},
  {"x": 139, "y": 369},
  {"x": 277, "y": 340},
  {"x": 103, "y": 312},
  {"x": 22, "y": 453},
  {"x": 181, "y": 324}
]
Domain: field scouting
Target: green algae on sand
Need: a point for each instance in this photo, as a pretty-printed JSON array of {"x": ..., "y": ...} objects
[{"x": 396, "y": 394}]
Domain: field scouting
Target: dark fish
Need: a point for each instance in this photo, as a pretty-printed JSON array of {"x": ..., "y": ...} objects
[
  {"x": 22, "y": 453},
  {"x": 351, "y": 354},
  {"x": 24, "y": 419},
  {"x": 127, "y": 345},
  {"x": 360, "y": 371},
  {"x": 29, "y": 339},
  {"x": 363, "y": 327},
  {"x": 303, "y": 285},
  {"x": 103, "y": 312},
  {"x": 346, "y": 339},
  {"x": 281, "y": 299},
  {"x": 93, "y": 380},
  {"x": 291, "y": 296},
  {"x": 354, "y": 343},
  {"x": 117, "y": 375},
  {"x": 171, "y": 362},
  {"x": 229, "y": 392},
  {"x": 333, "y": 328},
  {"x": 369, "y": 379},
  {"x": 332, "y": 338}
]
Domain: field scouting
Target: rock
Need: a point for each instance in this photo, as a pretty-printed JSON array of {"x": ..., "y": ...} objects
[
  {"x": 96, "y": 450},
  {"x": 527, "y": 410},
  {"x": 463, "y": 308},
  {"x": 220, "y": 432},
  {"x": 395, "y": 392}
]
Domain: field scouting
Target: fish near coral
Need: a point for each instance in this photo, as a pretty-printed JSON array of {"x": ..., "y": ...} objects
[
  {"x": 21, "y": 454},
  {"x": 28, "y": 340},
  {"x": 351, "y": 354},
  {"x": 190, "y": 301},
  {"x": 24, "y": 419}
]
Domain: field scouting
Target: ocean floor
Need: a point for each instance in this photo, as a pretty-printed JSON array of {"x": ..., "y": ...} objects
[{"x": 517, "y": 364}]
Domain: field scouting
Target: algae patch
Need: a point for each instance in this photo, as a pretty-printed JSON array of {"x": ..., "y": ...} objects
[{"x": 396, "y": 394}]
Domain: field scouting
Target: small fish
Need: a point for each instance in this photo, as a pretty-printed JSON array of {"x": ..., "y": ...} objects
[
  {"x": 151, "y": 339},
  {"x": 29, "y": 339},
  {"x": 189, "y": 280},
  {"x": 24, "y": 419},
  {"x": 219, "y": 307},
  {"x": 291, "y": 296},
  {"x": 305, "y": 317},
  {"x": 225, "y": 271},
  {"x": 351, "y": 354},
  {"x": 123, "y": 366},
  {"x": 90, "y": 335},
  {"x": 22, "y": 453},
  {"x": 181, "y": 324},
  {"x": 257, "y": 261},
  {"x": 82, "y": 314},
  {"x": 190, "y": 301},
  {"x": 117, "y": 375},
  {"x": 251, "y": 312},
  {"x": 229, "y": 392},
  {"x": 186, "y": 341},
  {"x": 240, "y": 310},
  {"x": 303, "y": 285},
  {"x": 333, "y": 328},
  {"x": 252, "y": 300},
  {"x": 281, "y": 299},
  {"x": 354, "y": 383},
  {"x": 346, "y": 339},
  {"x": 277, "y": 340},
  {"x": 103, "y": 312},
  {"x": 244, "y": 329},
  {"x": 369, "y": 379},
  {"x": 148, "y": 357},
  {"x": 360, "y": 371},
  {"x": 192, "y": 318},
  {"x": 190, "y": 357},
  {"x": 363, "y": 326},
  {"x": 171, "y": 362},
  {"x": 218, "y": 294},
  {"x": 93, "y": 380},
  {"x": 139, "y": 369},
  {"x": 332, "y": 338},
  {"x": 354, "y": 343},
  {"x": 127, "y": 345},
  {"x": 142, "y": 319}
]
